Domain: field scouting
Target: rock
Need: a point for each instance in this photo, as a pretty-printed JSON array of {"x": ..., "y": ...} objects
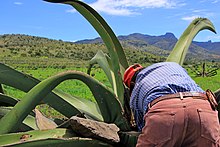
[
  {"x": 94, "y": 129},
  {"x": 42, "y": 122}
]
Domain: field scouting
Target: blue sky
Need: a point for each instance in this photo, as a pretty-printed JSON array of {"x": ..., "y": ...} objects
[{"x": 152, "y": 17}]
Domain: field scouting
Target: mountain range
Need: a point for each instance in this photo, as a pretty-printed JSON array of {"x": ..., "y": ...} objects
[
  {"x": 163, "y": 44},
  {"x": 139, "y": 48}
]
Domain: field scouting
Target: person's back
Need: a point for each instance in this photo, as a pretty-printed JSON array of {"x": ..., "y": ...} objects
[{"x": 171, "y": 109}]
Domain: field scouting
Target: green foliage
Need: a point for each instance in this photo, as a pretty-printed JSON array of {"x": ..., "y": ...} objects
[
  {"x": 204, "y": 70},
  {"x": 32, "y": 46}
]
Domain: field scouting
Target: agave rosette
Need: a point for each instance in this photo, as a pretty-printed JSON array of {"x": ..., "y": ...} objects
[{"x": 44, "y": 91}]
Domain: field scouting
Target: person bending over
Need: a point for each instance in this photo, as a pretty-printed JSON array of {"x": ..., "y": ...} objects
[{"x": 170, "y": 109}]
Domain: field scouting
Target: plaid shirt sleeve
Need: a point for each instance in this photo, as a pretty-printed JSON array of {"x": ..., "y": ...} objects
[{"x": 155, "y": 81}]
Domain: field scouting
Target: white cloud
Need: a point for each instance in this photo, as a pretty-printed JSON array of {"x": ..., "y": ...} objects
[
  {"x": 199, "y": 10},
  {"x": 129, "y": 7},
  {"x": 18, "y": 3},
  {"x": 190, "y": 18},
  {"x": 210, "y": 1},
  {"x": 195, "y": 13},
  {"x": 111, "y": 7},
  {"x": 203, "y": 13},
  {"x": 215, "y": 1},
  {"x": 71, "y": 11}
]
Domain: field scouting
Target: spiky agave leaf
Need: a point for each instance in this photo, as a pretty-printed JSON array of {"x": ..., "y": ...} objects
[
  {"x": 1, "y": 89},
  {"x": 109, "y": 106},
  {"x": 114, "y": 47},
  {"x": 88, "y": 108},
  {"x": 72, "y": 142},
  {"x": 102, "y": 60},
  {"x": 34, "y": 121},
  {"x": 48, "y": 138},
  {"x": 7, "y": 100},
  {"x": 55, "y": 137},
  {"x": 27, "y": 124},
  {"x": 22, "y": 137},
  {"x": 64, "y": 103},
  {"x": 40, "y": 120},
  {"x": 178, "y": 54}
]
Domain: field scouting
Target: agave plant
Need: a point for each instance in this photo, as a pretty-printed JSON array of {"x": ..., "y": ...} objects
[{"x": 20, "y": 124}]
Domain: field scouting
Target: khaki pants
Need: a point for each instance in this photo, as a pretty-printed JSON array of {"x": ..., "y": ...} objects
[{"x": 180, "y": 123}]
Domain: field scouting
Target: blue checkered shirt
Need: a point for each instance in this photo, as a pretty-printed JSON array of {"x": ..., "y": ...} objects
[{"x": 155, "y": 81}]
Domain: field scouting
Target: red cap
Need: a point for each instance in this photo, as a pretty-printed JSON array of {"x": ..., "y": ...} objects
[{"x": 129, "y": 73}]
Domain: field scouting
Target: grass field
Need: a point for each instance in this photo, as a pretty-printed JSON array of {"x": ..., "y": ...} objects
[
  {"x": 73, "y": 87},
  {"x": 212, "y": 83}
]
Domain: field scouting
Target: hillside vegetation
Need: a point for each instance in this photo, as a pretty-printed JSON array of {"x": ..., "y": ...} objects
[
  {"x": 38, "y": 52},
  {"x": 17, "y": 48}
]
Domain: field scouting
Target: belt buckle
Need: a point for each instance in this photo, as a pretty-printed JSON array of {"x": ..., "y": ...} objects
[
  {"x": 181, "y": 95},
  {"x": 149, "y": 106}
]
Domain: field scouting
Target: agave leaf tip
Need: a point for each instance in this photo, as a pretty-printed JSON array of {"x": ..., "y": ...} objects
[{"x": 209, "y": 25}]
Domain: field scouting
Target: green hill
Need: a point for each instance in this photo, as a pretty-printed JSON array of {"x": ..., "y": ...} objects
[
  {"x": 16, "y": 47},
  {"x": 44, "y": 52}
]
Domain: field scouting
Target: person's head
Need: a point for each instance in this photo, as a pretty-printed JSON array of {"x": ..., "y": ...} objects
[
  {"x": 129, "y": 80},
  {"x": 130, "y": 75}
]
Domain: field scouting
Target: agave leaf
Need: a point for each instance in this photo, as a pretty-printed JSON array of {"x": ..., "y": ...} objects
[
  {"x": 7, "y": 100},
  {"x": 65, "y": 104},
  {"x": 178, "y": 54},
  {"x": 85, "y": 106},
  {"x": 28, "y": 123},
  {"x": 114, "y": 47},
  {"x": 72, "y": 142},
  {"x": 22, "y": 137},
  {"x": 57, "y": 142},
  {"x": 104, "y": 61},
  {"x": 1, "y": 89},
  {"x": 105, "y": 99},
  {"x": 101, "y": 59},
  {"x": 129, "y": 138}
]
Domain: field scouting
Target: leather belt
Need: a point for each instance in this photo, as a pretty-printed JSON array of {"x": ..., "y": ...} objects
[{"x": 180, "y": 95}]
